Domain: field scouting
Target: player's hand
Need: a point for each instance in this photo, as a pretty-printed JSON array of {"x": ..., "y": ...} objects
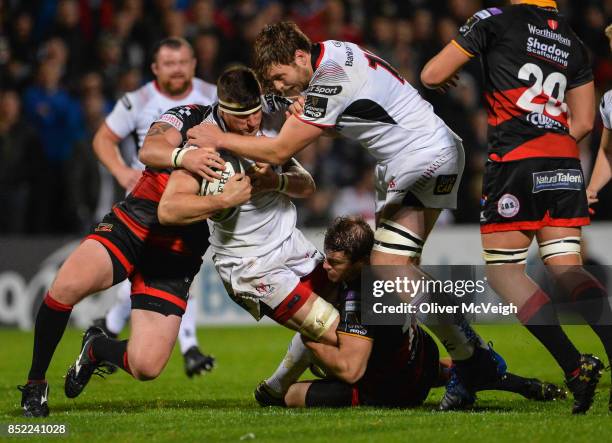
[
  {"x": 204, "y": 162},
  {"x": 450, "y": 83},
  {"x": 297, "y": 107},
  {"x": 205, "y": 135},
  {"x": 591, "y": 199},
  {"x": 237, "y": 190},
  {"x": 263, "y": 178},
  {"x": 128, "y": 177}
]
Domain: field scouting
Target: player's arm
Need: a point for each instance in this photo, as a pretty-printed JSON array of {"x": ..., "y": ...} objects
[
  {"x": 294, "y": 136},
  {"x": 581, "y": 104},
  {"x": 180, "y": 203},
  {"x": 439, "y": 72},
  {"x": 347, "y": 361},
  {"x": 106, "y": 148},
  {"x": 295, "y": 181},
  {"x": 159, "y": 150},
  {"x": 602, "y": 172}
]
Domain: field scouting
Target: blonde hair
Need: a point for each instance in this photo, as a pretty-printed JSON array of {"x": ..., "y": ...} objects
[{"x": 608, "y": 31}]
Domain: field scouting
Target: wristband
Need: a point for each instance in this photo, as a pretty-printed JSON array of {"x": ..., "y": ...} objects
[{"x": 178, "y": 154}]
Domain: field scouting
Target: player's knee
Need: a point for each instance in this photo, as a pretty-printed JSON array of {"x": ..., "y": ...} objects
[
  {"x": 68, "y": 291},
  {"x": 145, "y": 368}
]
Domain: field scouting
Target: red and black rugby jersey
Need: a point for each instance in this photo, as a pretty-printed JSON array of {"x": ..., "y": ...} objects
[{"x": 530, "y": 58}]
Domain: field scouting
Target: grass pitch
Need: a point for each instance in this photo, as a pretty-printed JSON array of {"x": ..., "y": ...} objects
[{"x": 220, "y": 406}]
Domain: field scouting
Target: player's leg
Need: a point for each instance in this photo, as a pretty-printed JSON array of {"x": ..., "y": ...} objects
[
  {"x": 118, "y": 315},
  {"x": 195, "y": 361},
  {"x": 321, "y": 393},
  {"x": 560, "y": 249},
  {"x": 87, "y": 270},
  {"x": 530, "y": 388}
]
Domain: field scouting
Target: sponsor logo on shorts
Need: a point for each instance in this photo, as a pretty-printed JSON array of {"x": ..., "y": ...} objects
[
  {"x": 104, "y": 227},
  {"x": 558, "y": 179},
  {"x": 325, "y": 90},
  {"x": 444, "y": 184},
  {"x": 508, "y": 206},
  {"x": 315, "y": 107},
  {"x": 264, "y": 289}
]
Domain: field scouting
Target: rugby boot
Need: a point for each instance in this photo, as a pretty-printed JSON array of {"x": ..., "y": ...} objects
[
  {"x": 582, "y": 385},
  {"x": 34, "y": 398}
]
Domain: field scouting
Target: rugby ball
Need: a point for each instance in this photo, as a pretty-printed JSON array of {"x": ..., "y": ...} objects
[{"x": 215, "y": 187}]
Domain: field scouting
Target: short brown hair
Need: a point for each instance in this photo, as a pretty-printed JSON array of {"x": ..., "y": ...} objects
[
  {"x": 172, "y": 43},
  {"x": 238, "y": 84},
  {"x": 608, "y": 31},
  {"x": 351, "y": 235},
  {"x": 276, "y": 45}
]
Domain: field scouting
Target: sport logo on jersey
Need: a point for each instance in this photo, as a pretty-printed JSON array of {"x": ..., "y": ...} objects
[
  {"x": 558, "y": 179},
  {"x": 325, "y": 90},
  {"x": 480, "y": 15},
  {"x": 315, "y": 107}
]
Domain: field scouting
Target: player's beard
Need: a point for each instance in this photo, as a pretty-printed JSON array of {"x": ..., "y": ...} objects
[{"x": 173, "y": 87}]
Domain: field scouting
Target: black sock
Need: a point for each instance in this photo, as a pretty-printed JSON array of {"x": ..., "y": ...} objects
[
  {"x": 112, "y": 351},
  {"x": 590, "y": 300},
  {"x": 510, "y": 383},
  {"x": 51, "y": 322},
  {"x": 540, "y": 318}
]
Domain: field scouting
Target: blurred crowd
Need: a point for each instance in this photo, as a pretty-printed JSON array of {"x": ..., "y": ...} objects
[{"x": 64, "y": 63}]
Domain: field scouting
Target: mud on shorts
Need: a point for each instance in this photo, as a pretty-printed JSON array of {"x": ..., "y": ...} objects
[
  {"x": 160, "y": 279},
  {"x": 426, "y": 178},
  {"x": 526, "y": 195},
  {"x": 276, "y": 284}
]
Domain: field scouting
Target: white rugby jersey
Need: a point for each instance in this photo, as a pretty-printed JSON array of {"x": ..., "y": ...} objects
[
  {"x": 605, "y": 109},
  {"x": 269, "y": 218},
  {"x": 365, "y": 99},
  {"x": 136, "y": 111}
]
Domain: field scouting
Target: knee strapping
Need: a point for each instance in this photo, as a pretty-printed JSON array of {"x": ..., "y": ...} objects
[{"x": 393, "y": 238}]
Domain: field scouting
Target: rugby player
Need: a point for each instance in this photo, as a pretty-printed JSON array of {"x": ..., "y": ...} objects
[
  {"x": 266, "y": 264},
  {"x": 354, "y": 93},
  {"x": 377, "y": 365},
  {"x": 602, "y": 172},
  {"x": 540, "y": 103},
  {"x": 160, "y": 262},
  {"x": 116, "y": 144}
]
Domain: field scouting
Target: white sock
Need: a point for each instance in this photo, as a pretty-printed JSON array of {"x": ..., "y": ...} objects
[
  {"x": 453, "y": 330},
  {"x": 119, "y": 313},
  {"x": 296, "y": 361},
  {"x": 187, "y": 332}
]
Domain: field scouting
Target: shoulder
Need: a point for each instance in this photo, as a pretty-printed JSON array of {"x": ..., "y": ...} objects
[
  {"x": 138, "y": 98},
  {"x": 484, "y": 17},
  {"x": 332, "y": 62}
]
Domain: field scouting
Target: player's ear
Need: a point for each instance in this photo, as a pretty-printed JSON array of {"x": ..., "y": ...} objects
[
  {"x": 154, "y": 68},
  {"x": 301, "y": 58}
]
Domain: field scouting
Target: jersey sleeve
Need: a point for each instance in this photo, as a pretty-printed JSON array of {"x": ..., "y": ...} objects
[
  {"x": 183, "y": 118},
  {"x": 584, "y": 73},
  {"x": 605, "y": 109},
  {"x": 479, "y": 31},
  {"x": 328, "y": 95},
  {"x": 350, "y": 317},
  {"x": 122, "y": 119}
]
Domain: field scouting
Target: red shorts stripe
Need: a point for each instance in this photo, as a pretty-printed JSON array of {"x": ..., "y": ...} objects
[
  {"x": 139, "y": 287},
  {"x": 55, "y": 305},
  {"x": 535, "y": 225},
  {"x": 532, "y": 305},
  {"x": 139, "y": 230},
  {"x": 127, "y": 265}
]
